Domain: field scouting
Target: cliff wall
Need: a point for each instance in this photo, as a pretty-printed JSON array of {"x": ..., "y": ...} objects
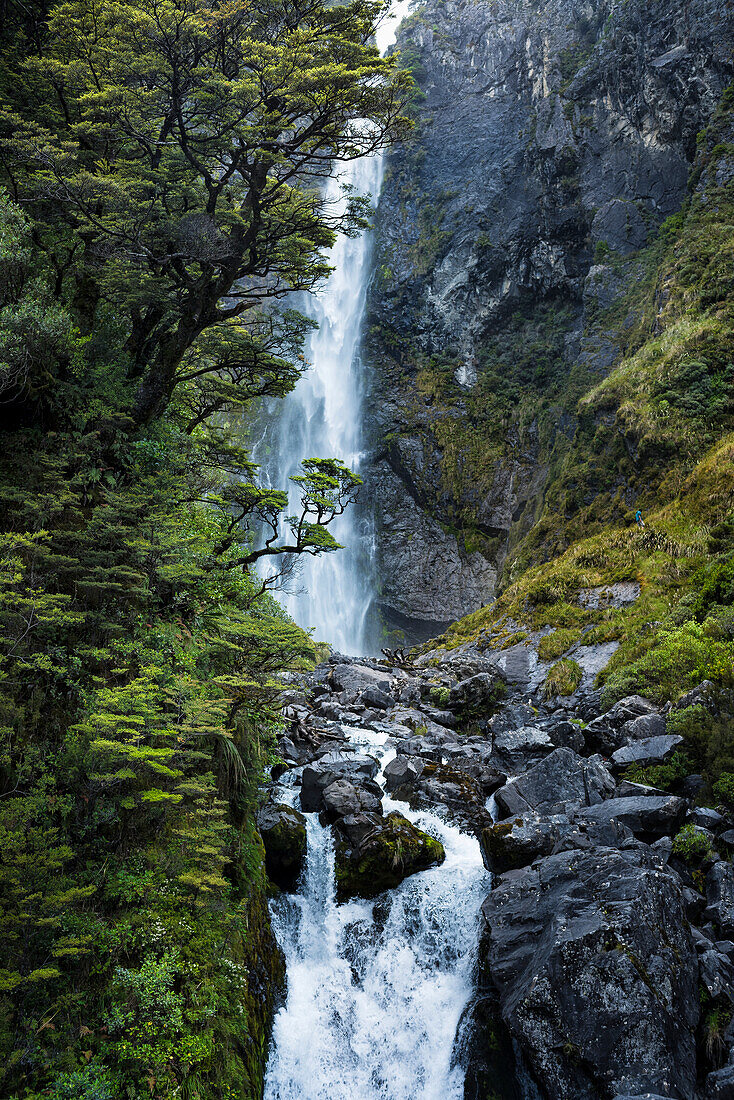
[{"x": 552, "y": 141}]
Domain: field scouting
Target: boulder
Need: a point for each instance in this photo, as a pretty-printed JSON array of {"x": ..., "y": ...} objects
[
  {"x": 596, "y": 970},
  {"x": 527, "y": 739},
  {"x": 720, "y": 1084},
  {"x": 627, "y": 709},
  {"x": 448, "y": 786},
  {"x": 283, "y": 831},
  {"x": 716, "y": 974},
  {"x": 647, "y": 725},
  {"x": 562, "y": 779},
  {"x": 376, "y": 697},
  {"x": 374, "y": 854},
  {"x": 720, "y": 897},
  {"x": 653, "y": 750},
  {"x": 401, "y": 770},
  {"x": 511, "y": 844},
  {"x": 477, "y": 695},
  {"x": 645, "y": 815},
  {"x": 341, "y": 798},
  {"x": 334, "y": 765},
  {"x": 355, "y": 678}
]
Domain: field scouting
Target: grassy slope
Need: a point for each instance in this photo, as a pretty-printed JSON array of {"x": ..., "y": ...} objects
[{"x": 659, "y": 430}]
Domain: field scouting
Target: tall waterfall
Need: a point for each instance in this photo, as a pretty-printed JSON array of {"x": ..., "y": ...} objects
[{"x": 322, "y": 418}]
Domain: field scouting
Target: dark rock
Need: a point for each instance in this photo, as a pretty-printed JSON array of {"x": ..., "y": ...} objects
[
  {"x": 355, "y": 678},
  {"x": 376, "y": 697},
  {"x": 401, "y": 770},
  {"x": 702, "y": 694},
  {"x": 720, "y": 897},
  {"x": 653, "y": 750},
  {"x": 647, "y": 725},
  {"x": 341, "y": 798},
  {"x": 564, "y": 734},
  {"x": 374, "y": 854},
  {"x": 510, "y": 844},
  {"x": 477, "y": 695},
  {"x": 691, "y": 785},
  {"x": 562, "y": 779},
  {"x": 283, "y": 831},
  {"x": 628, "y": 709},
  {"x": 332, "y": 766},
  {"x": 441, "y": 784},
  {"x": 707, "y": 818},
  {"x": 716, "y": 974},
  {"x": 526, "y": 740},
  {"x": 720, "y": 1084},
  {"x": 654, "y": 815},
  {"x": 597, "y": 973}
]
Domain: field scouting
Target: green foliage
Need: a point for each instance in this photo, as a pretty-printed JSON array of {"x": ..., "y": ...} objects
[
  {"x": 161, "y": 167},
  {"x": 562, "y": 679},
  {"x": 666, "y": 777},
  {"x": 556, "y": 643},
  {"x": 693, "y": 845}
]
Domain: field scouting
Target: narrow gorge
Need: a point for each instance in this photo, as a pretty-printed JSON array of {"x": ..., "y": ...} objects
[{"x": 569, "y": 937}]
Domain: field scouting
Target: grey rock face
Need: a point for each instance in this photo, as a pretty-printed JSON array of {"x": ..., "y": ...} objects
[
  {"x": 653, "y": 750},
  {"x": 596, "y": 971},
  {"x": 332, "y": 766},
  {"x": 341, "y": 798},
  {"x": 475, "y": 695},
  {"x": 652, "y": 815},
  {"x": 562, "y": 779},
  {"x": 720, "y": 896},
  {"x": 549, "y": 134}
]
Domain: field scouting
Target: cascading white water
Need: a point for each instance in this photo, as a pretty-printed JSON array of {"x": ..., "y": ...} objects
[
  {"x": 376, "y": 990},
  {"x": 322, "y": 418}
]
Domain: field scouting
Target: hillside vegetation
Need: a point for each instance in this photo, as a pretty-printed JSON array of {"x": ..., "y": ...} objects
[
  {"x": 159, "y": 164},
  {"x": 656, "y": 433}
]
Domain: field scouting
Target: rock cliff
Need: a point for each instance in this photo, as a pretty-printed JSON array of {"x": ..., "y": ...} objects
[{"x": 551, "y": 142}]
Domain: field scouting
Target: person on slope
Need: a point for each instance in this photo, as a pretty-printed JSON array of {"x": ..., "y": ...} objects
[{"x": 638, "y": 518}]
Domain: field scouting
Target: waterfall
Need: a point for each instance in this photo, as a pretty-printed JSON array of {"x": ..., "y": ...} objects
[
  {"x": 376, "y": 989},
  {"x": 322, "y": 418}
]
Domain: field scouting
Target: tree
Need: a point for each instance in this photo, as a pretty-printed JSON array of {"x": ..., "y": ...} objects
[{"x": 172, "y": 154}]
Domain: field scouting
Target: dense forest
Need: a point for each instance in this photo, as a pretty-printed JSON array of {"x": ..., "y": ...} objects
[{"x": 161, "y": 167}]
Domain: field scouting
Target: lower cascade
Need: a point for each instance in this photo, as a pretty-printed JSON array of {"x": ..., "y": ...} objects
[{"x": 376, "y": 989}]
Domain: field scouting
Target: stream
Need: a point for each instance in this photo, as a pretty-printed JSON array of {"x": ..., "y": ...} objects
[{"x": 376, "y": 989}]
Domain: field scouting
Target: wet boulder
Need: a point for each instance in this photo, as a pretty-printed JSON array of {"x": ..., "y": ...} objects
[
  {"x": 519, "y": 748},
  {"x": 442, "y": 784},
  {"x": 342, "y": 798},
  {"x": 374, "y": 853},
  {"x": 563, "y": 779},
  {"x": 283, "y": 831},
  {"x": 477, "y": 695},
  {"x": 596, "y": 970},
  {"x": 318, "y": 776},
  {"x": 401, "y": 770},
  {"x": 645, "y": 815},
  {"x": 720, "y": 897},
  {"x": 651, "y": 750}
]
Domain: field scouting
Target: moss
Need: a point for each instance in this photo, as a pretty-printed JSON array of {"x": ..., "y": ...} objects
[
  {"x": 398, "y": 849},
  {"x": 562, "y": 679},
  {"x": 556, "y": 643}
]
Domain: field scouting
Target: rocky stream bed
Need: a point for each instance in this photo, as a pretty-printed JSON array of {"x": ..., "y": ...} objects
[{"x": 587, "y": 954}]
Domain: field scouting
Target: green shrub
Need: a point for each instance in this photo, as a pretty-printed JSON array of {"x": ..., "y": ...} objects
[
  {"x": 724, "y": 789},
  {"x": 558, "y": 642},
  {"x": 562, "y": 679},
  {"x": 692, "y": 845}
]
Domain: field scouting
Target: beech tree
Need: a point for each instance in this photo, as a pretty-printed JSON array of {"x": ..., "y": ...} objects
[{"x": 172, "y": 152}]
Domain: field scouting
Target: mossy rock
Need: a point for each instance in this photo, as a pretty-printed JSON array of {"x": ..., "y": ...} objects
[
  {"x": 283, "y": 830},
  {"x": 375, "y": 854}
]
